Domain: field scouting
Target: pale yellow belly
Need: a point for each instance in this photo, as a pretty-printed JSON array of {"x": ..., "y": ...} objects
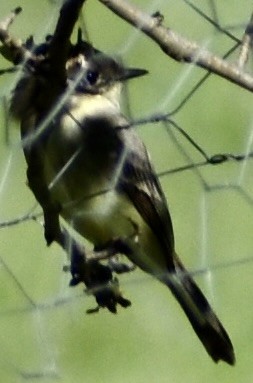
[
  {"x": 103, "y": 218},
  {"x": 109, "y": 217}
]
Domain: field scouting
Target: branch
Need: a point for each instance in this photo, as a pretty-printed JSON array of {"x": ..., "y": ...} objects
[
  {"x": 176, "y": 46},
  {"x": 59, "y": 46},
  {"x": 246, "y": 44},
  {"x": 12, "y": 49}
]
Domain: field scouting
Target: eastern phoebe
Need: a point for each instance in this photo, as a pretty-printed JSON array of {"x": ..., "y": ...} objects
[{"x": 99, "y": 173}]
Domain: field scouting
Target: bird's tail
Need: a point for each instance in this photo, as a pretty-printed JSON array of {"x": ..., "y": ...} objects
[{"x": 201, "y": 316}]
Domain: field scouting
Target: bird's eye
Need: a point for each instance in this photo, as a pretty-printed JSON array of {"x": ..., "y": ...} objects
[{"x": 92, "y": 77}]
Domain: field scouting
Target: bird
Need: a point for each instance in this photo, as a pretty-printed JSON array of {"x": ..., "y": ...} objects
[{"x": 99, "y": 172}]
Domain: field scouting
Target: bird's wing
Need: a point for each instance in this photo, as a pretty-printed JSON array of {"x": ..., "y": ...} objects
[{"x": 140, "y": 183}]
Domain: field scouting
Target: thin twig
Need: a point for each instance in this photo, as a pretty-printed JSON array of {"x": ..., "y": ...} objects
[
  {"x": 12, "y": 49},
  {"x": 246, "y": 44}
]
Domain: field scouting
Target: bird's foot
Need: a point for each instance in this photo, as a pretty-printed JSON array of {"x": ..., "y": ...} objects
[
  {"x": 120, "y": 267},
  {"x": 108, "y": 295},
  {"x": 110, "y": 251},
  {"x": 98, "y": 279}
]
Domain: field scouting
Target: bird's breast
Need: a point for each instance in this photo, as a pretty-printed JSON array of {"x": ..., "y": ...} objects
[{"x": 83, "y": 162}]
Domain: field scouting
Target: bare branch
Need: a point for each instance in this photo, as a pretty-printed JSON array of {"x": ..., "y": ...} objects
[
  {"x": 13, "y": 49},
  {"x": 178, "y": 47},
  {"x": 59, "y": 46}
]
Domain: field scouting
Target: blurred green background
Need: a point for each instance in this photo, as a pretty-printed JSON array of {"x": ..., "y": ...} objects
[{"x": 45, "y": 334}]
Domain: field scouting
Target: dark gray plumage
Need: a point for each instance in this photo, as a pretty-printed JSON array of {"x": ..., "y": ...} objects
[{"x": 99, "y": 172}]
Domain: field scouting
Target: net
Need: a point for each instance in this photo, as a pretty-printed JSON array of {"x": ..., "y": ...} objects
[{"x": 198, "y": 130}]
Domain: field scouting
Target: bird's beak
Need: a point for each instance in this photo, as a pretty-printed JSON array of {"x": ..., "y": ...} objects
[{"x": 131, "y": 73}]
